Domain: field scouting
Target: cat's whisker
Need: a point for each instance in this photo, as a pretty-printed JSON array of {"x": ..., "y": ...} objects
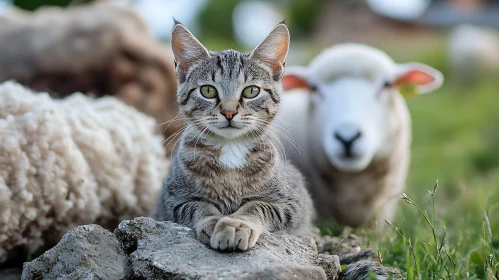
[
  {"x": 267, "y": 139},
  {"x": 180, "y": 132},
  {"x": 173, "y": 135},
  {"x": 270, "y": 123},
  {"x": 288, "y": 123},
  {"x": 274, "y": 147},
  {"x": 276, "y": 141},
  {"x": 289, "y": 137},
  {"x": 287, "y": 132},
  {"x": 279, "y": 144},
  {"x": 197, "y": 121},
  {"x": 261, "y": 140},
  {"x": 176, "y": 133},
  {"x": 169, "y": 121},
  {"x": 183, "y": 135},
  {"x": 276, "y": 125},
  {"x": 258, "y": 144},
  {"x": 198, "y": 137}
]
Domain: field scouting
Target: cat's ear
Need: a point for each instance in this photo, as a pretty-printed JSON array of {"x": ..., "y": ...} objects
[
  {"x": 274, "y": 49},
  {"x": 187, "y": 50}
]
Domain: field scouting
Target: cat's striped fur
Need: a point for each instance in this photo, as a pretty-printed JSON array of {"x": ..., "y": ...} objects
[{"x": 227, "y": 180}]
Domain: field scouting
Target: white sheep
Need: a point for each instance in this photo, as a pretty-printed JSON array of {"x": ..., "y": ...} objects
[
  {"x": 69, "y": 162},
  {"x": 353, "y": 128},
  {"x": 473, "y": 51}
]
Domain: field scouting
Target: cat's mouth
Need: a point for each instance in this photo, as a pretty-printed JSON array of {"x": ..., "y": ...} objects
[
  {"x": 230, "y": 130},
  {"x": 231, "y": 126}
]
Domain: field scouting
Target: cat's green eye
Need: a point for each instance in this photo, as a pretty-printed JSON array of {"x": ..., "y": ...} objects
[
  {"x": 251, "y": 92},
  {"x": 209, "y": 91}
]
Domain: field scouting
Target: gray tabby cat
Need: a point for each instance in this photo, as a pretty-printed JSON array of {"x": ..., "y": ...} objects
[{"x": 228, "y": 181}]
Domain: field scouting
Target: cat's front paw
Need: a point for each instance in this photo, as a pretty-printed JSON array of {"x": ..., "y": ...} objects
[
  {"x": 232, "y": 234},
  {"x": 204, "y": 228}
]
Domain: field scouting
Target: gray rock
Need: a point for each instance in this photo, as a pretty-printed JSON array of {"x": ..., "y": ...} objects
[
  {"x": 85, "y": 252},
  {"x": 146, "y": 249},
  {"x": 159, "y": 250}
]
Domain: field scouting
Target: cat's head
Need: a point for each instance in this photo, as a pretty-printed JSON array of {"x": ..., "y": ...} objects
[{"x": 229, "y": 94}]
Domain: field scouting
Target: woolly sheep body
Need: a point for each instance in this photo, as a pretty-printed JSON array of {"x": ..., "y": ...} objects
[
  {"x": 70, "y": 162},
  {"x": 473, "y": 50},
  {"x": 351, "y": 193}
]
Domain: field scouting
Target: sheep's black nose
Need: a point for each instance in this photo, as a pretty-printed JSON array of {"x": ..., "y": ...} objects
[{"x": 347, "y": 142}]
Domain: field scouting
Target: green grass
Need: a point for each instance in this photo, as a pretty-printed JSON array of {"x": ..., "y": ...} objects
[{"x": 453, "y": 232}]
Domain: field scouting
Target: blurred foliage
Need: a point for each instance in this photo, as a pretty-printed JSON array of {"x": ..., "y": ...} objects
[
  {"x": 487, "y": 159},
  {"x": 303, "y": 15},
  {"x": 215, "y": 20},
  {"x": 32, "y": 5}
]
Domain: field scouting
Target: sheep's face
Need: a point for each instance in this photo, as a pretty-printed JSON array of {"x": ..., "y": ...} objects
[
  {"x": 229, "y": 94},
  {"x": 355, "y": 113},
  {"x": 354, "y": 92}
]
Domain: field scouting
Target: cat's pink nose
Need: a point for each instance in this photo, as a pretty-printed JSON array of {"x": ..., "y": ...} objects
[{"x": 229, "y": 114}]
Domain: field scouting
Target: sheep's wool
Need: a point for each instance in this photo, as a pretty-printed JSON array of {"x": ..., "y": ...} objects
[{"x": 69, "y": 162}]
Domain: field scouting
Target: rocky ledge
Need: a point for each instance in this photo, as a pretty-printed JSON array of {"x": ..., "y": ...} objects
[{"x": 146, "y": 249}]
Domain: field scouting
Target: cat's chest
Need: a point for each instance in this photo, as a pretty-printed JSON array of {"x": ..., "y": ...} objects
[
  {"x": 231, "y": 155},
  {"x": 229, "y": 186},
  {"x": 227, "y": 200},
  {"x": 227, "y": 173}
]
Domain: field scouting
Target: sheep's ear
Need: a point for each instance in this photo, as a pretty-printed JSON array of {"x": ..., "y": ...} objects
[
  {"x": 187, "y": 50},
  {"x": 274, "y": 49},
  {"x": 417, "y": 78},
  {"x": 295, "y": 77}
]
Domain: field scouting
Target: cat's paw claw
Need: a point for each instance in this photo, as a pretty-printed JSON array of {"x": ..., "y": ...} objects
[
  {"x": 233, "y": 234},
  {"x": 204, "y": 229}
]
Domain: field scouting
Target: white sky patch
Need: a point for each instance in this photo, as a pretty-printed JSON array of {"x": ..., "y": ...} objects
[
  {"x": 5, "y": 5},
  {"x": 400, "y": 9},
  {"x": 159, "y": 13},
  {"x": 253, "y": 21}
]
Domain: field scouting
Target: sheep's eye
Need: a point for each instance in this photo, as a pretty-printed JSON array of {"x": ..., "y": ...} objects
[
  {"x": 313, "y": 87},
  {"x": 209, "y": 91},
  {"x": 388, "y": 85},
  {"x": 251, "y": 92}
]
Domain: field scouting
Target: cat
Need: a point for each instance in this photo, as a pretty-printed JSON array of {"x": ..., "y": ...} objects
[{"x": 227, "y": 180}]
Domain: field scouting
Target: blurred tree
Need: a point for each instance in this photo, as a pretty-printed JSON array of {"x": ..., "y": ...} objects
[
  {"x": 215, "y": 20},
  {"x": 303, "y": 15},
  {"x": 32, "y": 5}
]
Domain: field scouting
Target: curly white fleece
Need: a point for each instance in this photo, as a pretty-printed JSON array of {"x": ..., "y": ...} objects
[{"x": 70, "y": 162}]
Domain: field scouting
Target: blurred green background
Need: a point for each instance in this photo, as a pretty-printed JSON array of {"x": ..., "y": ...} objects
[{"x": 32, "y": 5}]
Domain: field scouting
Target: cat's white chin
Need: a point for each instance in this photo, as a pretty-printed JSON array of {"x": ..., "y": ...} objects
[{"x": 230, "y": 132}]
